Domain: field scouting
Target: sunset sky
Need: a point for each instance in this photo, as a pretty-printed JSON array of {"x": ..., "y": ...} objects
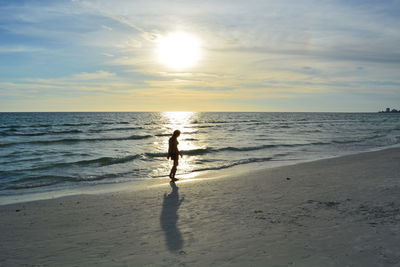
[{"x": 283, "y": 55}]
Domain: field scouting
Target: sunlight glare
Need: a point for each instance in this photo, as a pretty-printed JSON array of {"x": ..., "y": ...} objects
[{"x": 179, "y": 50}]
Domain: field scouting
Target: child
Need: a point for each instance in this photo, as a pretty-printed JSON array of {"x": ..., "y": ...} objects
[{"x": 173, "y": 153}]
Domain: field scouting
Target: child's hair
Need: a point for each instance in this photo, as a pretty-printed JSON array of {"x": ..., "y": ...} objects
[{"x": 176, "y": 133}]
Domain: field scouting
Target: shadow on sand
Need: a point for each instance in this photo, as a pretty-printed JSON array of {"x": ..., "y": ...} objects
[{"x": 169, "y": 218}]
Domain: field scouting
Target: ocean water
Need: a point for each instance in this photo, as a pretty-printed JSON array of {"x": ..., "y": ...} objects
[{"x": 54, "y": 151}]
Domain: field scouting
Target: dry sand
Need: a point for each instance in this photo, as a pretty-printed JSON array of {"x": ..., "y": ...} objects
[{"x": 336, "y": 212}]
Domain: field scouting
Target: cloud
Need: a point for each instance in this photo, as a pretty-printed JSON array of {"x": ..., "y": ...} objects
[
  {"x": 93, "y": 76},
  {"x": 106, "y": 27},
  {"x": 252, "y": 50},
  {"x": 119, "y": 18},
  {"x": 356, "y": 54},
  {"x": 19, "y": 49},
  {"x": 100, "y": 81}
]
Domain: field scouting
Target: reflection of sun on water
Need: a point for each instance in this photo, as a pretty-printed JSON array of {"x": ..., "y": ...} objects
[
  {"x": 178, "y": 118},
  {"x": 181, "y": 121}
]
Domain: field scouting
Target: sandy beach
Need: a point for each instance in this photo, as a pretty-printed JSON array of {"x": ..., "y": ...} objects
[{"x": 335, "y": 212}]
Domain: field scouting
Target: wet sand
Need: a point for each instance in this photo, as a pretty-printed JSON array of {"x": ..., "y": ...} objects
[{"x": 336, "y": 212}]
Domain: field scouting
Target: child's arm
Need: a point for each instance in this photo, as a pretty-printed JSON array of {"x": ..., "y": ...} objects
[{"x": 179, "y": 152}]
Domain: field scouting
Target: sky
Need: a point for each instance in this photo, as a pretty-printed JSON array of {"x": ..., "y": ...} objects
[{"x": 266, "y": 55}]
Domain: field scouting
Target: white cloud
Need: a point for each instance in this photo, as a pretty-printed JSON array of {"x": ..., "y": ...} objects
[
  {"x": 92, "y": 76},
  {"x": 106, "y": 28},
  {"x": 253, "y": 46}
]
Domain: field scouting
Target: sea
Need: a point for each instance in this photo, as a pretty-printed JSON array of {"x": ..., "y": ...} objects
[{"x": 54, "y": 152}]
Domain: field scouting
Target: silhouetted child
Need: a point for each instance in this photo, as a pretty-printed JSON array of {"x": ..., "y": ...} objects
[{"x": 174, "y": 153}]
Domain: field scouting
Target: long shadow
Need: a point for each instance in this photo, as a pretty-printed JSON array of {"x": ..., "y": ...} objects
[{"x": 169, "y": 218}]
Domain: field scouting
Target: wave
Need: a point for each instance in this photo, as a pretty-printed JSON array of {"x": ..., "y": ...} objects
[
  {"x": 12, "y": 133},
  {"x": 166, "y": 134},
  {"x": 202, "y": 151},
  {"x": 105, "y": 161},
  {"x": 73, "y": 124},
  {"x": 62, "y": 124},
  {"x": 193, "y": 152},
  {"x": 98, "y": 162},
  {"x": 48, "y": 180},
  {"x": 25, "y": 126},
  {"x": 75, "y": 140},
  {"x": 115, "y": 129},
  {"x": 310, "y": 131},
  {"x": 43, "y": 125},
  {"x": 285, "y": 126},
  {"x": 223, "y": 122},
  {"x": 155, "y": 155},
  {"x": 21, "y": 160},
  {"x": 33, "y": 184},
  {"x": 239, "y": 162},
  {"x": 204, "y": 126},
  {"x": 93, "y": 123},
  {"x": 209, "y": 150},
  {"x": 357, "y": 140},
  {"x": 40, "y": 133}
]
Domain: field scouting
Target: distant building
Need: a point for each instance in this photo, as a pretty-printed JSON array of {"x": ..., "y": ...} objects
[{"x": 388, "y": 110}]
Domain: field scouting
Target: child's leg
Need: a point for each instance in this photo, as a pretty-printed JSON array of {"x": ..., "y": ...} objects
[
  {"x": 173, "y": 170},
  {"x": 172, "y": 173}
]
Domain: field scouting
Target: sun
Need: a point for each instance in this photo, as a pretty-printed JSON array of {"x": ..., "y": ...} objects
[{"x": 179, "y": 50}]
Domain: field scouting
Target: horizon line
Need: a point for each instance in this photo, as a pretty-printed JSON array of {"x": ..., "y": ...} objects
[{"x": 190, "y": 111}]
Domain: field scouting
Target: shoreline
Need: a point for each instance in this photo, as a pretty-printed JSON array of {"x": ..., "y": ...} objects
[
  {"x": 140, "y": 184},
  {"x": 341, "y": 211}
]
